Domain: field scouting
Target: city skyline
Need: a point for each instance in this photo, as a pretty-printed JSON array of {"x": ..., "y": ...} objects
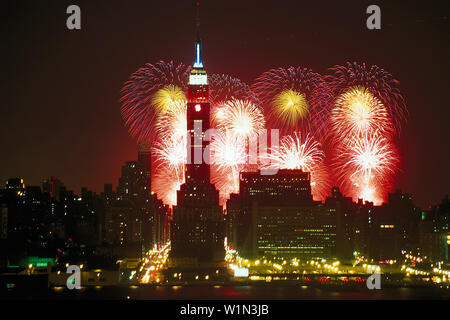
[
  {"x": 288, "y": 177},
  {"x": 112, "y": 140}
]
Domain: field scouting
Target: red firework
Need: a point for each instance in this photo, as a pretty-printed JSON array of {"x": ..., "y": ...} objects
[
  {"x": 294, "y": 99},
  {"x": 137, "y": 108},
  {"x": 365, "y": 166},
  {"x": 377, "y": 81}
]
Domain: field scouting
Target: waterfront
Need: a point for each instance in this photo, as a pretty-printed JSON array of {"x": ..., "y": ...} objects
[{"x": 237, "y": 292}]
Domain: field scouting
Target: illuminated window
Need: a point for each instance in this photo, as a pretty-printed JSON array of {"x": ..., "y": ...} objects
[{"x": 198, "y": 79}]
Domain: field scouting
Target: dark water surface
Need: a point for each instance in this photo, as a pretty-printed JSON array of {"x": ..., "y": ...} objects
[{"x": 247, "y": 292}]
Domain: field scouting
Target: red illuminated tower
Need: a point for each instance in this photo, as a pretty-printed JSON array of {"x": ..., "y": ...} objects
[
  {"x": 197, "y": 230},
  {"x": 198, "y": 114}
]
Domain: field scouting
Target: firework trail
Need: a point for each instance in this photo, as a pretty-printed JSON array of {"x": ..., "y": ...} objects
[
  {"x": 294, "y": 99},
  {"x": 137, "y": 96},
  {"x": 366, "y": 165},
  {"x": 377, "y": 81},
  {"x": 296, "y": 152}
]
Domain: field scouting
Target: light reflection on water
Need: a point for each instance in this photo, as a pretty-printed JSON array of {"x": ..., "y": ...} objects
[{"x": 256, "y": 292}]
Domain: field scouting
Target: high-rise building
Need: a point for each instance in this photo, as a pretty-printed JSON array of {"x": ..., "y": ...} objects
[
  {"x": 144, "y": 160},
  {"x": 434, "y": 232},
  {"x": 275, "y": 216},
  {"x": 285, "y": 187},
  {"x": 132, "y": 183},
  {"x": 15, "y": 184},
  {"x": 197, "y": 229},
  {"x": 108, "y": 195},
  {"x": 3, "y": 222},
  {"x": 135, "y": 219},
  {"x": 345, "y": 227},
  {"x": 52, "y": 186}
]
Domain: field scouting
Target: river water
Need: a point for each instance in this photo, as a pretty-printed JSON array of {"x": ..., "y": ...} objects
[{"x": 269, "y": 291}]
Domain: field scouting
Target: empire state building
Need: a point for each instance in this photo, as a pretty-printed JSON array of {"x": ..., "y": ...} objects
[{"x": 197, "y": 229}]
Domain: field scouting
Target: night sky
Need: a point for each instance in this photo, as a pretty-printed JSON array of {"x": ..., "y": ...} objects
[{"x": 60, "y": 113}]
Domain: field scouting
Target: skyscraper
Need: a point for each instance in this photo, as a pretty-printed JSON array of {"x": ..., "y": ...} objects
[
  {"x": 197, "y": 231},
  {"x": 132, "y": 184},
  {"x": 53, "y": 186},
  {"x": 144, "y": 160},
  {"x": 275, "y": 216}
]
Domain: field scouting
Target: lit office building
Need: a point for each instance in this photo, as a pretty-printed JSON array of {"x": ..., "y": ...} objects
[{"x": 275, "y": 216}]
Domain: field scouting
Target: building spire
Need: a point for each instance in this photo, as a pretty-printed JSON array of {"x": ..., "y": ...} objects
[
  {"x": 198, "y": 64},
  {"x": 197, "y": 21}
]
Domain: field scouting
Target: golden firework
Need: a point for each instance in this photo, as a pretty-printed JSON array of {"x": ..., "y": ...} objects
[
  {"x": 290, "y": 106},
  {"x": 166, "y": 97}
]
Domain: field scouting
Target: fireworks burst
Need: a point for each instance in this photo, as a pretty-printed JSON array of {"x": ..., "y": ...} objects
[
  {"x": 358, "y": 112},
  {"x": 169, "y": 160},
  {"x": 169, "y": 151},
  {"x": 224, "y": 88},
  {"x": 241, "y": 117},
  {"x": 294, "y": 99},
  {"x": 367, "y": 112},
  {"x": 291, "y": 106},
  {"x": 305, "y": 154},
  {"x": 239, "y": 122},
  {"x": 165, "y": 97},
  {"x": 228, "y": 159},
  {"x": 137, "y": 108},
  {"x": 172, "y": 124},
  {"x": 166, "y": 182},
  {"x": 365, "y": 166},
  {"x": 377, "y": 81}
]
